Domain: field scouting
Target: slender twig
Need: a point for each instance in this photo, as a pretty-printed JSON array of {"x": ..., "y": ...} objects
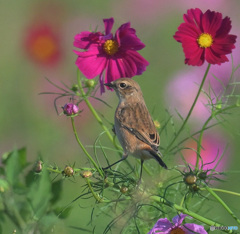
[
  {"x": 222, "y": 203},
  {"x": 223, "y": 191},
  {"x": 84, "y": 149},
  {"x": 190, "y": 111}
]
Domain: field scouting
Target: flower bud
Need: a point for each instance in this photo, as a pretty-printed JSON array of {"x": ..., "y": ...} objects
[
  {"x": 75, "y": 88},
  {"x": 68, "y": 171},
  {"x": 70, "y": 109},
  {"x": 124, "y": 189},
  {"x": 157, "y": 124},
  {"x": 87, "y": 174},
  {"x": 90, "y": 83},
  {"x": 219, "y": 106},
  {"x": 190, "y": 179},
  {"x": 38, "y": 167}
]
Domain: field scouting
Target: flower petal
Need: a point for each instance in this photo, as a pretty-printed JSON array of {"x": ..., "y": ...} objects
[
  {"x": 178, "y": 219},
  {"x": 211, "y": 22},
  {"x": 214, "y": 58},
  {"x": 163, "y": 225},
  {"x": 194, "y": 228},
  {"x": 101, "y": 81},
  {"x": 85, "y": 39},
  {"x": 108, "y": 23},
  {"x": 225, "y": 27},
  {"x": 186, "y": 31},
  {"x": 224, "y": 45},
  {"x": 89, "y": 63},
  {"x": 194, "y": 17},
  {"x": 194, "y": 55},
  {"x": 127, "y": 38},
  {"x": 140, "y": 62}
]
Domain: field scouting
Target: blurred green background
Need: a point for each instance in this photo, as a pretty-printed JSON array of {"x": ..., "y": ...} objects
[{"x": 29, "y": 119}]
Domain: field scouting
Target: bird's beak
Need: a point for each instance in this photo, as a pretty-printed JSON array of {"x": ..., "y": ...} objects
[{"x": 110, "y": 85}]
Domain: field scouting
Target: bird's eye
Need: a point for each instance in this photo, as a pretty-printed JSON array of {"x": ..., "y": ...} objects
[{"x": 123, "y": 85}]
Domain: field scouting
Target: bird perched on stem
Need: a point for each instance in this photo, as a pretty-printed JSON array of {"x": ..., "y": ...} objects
[{"x": 134, "y": 126}]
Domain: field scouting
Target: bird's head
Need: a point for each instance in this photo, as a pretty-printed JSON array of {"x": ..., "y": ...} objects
[{"x": 126, "y": 89}]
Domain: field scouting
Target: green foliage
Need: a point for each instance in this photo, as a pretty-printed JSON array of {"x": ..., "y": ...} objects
[{"x": 28, "y": 198}]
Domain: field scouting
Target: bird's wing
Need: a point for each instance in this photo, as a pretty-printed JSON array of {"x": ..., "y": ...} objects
[{"x": 136, "y": 119}]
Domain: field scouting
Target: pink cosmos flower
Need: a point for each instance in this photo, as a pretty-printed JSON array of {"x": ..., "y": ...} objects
[
  {"x": 117, "y": 55},
  {"x": 180, "y": 94},
  {"x": 205, "y": 36},
  {"x": 164, "y": 226}
]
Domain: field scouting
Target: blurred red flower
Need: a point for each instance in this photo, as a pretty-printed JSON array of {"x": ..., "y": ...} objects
[
  {"x": 114, "y": 55},
  {"x": 42, "y": 44},
  {"x": 205, "y": 36}
]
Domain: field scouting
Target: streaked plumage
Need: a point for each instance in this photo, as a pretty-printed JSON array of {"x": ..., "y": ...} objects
[{"x": 134, "y": 126}]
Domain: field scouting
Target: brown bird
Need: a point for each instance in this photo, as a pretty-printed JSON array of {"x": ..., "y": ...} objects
[{"x": 134, "y": 126}]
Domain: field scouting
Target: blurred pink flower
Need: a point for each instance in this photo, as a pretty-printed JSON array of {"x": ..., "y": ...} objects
[
  {"x": 181, "y": 92},
  {"x": 213, "y": 146},
  {"x": 116, "y": 55},
  {"x": 42, "y": 44}
]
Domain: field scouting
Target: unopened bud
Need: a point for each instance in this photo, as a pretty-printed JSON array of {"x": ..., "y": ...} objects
[
  {"x": 90, "y": 83},
  {"x": 157, "y": 124},
  {"x": 38, "y": 167},
  {"x": 68, "y": 171},
  {"x": 87, "y": 174},
  {"x": 124, "y": 189},
  {"x": 74, "y": 88},
  {"x": 70, "y": 109},
  {"x": 219, "y": 106},
  {"x": 190, "y": 179}
]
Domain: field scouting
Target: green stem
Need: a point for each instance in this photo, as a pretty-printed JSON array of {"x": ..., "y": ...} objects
[
  {"x": 222, "y": 203},
  {"x": 84, "y": 150},
  {"x": 223, "y": 191},
  {"x": 199, "y": 145},
  {"x": 191, "y": 109},
  {"x": 98, "y": 199},
  {"x": 91, "y": 108},
  {"x": 12, "y": 212},
  {"x": 205, "y": 126}
]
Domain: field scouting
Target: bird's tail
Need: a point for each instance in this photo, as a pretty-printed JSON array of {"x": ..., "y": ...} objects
[{"x": 157, "y": 155}]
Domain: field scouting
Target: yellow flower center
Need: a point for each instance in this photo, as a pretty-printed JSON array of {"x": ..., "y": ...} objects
[
  {"x": 110, "y": 47},
  {"x": 205, "y": 40},
  {"x": 177, "y": 230}
]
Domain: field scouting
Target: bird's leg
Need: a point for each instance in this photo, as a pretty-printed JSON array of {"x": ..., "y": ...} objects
[
  {"x": 140, "y": 178},
  {"x": 123, "y": 158},
  {"x": 113, "y": 130}
]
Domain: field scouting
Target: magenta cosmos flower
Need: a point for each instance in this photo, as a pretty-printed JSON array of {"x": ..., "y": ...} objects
[
  {"x": 117, "y": 55},
  {"x": 205, "y": 36},
  {"x": 166, "y": 227}
]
